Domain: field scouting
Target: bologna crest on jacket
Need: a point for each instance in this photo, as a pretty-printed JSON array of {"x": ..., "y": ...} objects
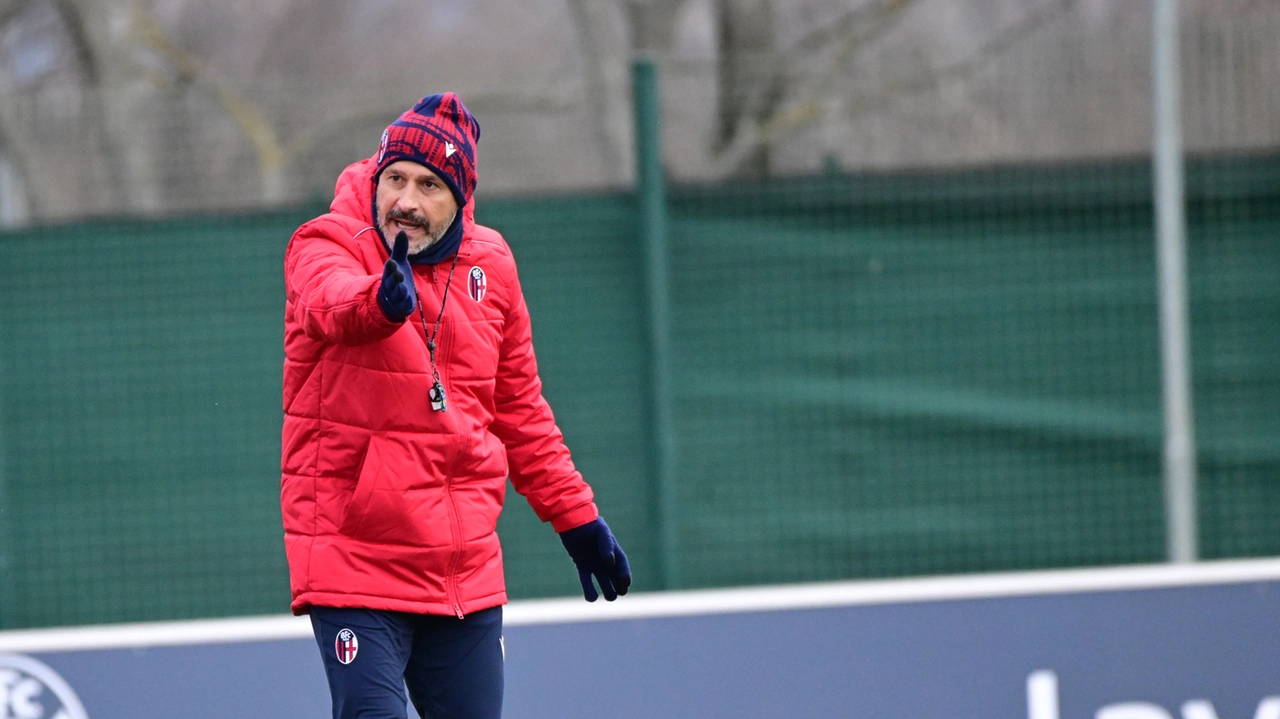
[
  {"x": 476, "y": 284},
  {"x": 346, "y": 646}
]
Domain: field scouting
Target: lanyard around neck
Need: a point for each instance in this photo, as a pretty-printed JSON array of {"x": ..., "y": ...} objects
[{"x": 437, "y": 389}]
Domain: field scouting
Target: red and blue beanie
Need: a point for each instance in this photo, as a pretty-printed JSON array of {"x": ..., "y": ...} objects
[{"x": 438, "y": 132}]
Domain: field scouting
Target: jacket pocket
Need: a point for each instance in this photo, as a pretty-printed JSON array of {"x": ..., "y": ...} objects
[
  {"x": 399, "y": 496},
  {"x": 370, "y": 469}
]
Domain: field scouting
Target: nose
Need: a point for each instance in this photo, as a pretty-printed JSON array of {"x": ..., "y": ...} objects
[
  {"x": 409, "y": 200},
  {"x": 402, "y": 196}
]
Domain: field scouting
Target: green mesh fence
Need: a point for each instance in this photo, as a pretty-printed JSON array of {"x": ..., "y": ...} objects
[
  {"x": 141, "y": 419},
  {"x": 1234, "y": 253},
  {"x": 874, "y": 376}
]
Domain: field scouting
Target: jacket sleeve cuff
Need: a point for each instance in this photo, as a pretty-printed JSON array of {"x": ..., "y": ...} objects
[
  {"x": 575, "y": 517},
  {"x": 373, "y": 310}
]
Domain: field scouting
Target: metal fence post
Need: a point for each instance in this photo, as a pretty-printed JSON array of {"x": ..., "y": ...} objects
[
  {"x": 6, "y": 522},
  {"x": 652, "y": 206},
  {"x": 1171, "y": 249}
]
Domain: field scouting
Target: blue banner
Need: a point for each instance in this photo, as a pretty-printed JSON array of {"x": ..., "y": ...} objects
[{"x": 1146, "y": 643}]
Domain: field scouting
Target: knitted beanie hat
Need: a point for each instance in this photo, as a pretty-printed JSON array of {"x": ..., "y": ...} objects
[{"x": 438, "y": 132}]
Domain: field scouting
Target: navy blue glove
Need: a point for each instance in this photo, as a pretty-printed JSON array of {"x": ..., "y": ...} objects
[
  {"x": 597, "y": 553},
  {"x": 396, "y": 294}
]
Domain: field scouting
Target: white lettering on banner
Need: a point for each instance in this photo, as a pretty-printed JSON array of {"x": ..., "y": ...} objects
[
  {"x": 1042, "y": 703},
  {"x": 31, "y": 690},
  {"x": 1042, "y": 695}
]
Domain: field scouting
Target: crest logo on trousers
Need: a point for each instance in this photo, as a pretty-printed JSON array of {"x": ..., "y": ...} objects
[{"x": 346, "y": 646}]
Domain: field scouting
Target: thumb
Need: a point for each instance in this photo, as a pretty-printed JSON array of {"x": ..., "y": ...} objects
[{"x": 400, "y": 252}]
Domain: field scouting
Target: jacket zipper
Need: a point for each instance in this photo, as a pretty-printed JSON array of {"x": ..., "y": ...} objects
[{"x": 451, "y": 579}]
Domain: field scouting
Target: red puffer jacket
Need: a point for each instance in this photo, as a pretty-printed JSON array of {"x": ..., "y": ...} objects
[{"x": 386, "y": 503}]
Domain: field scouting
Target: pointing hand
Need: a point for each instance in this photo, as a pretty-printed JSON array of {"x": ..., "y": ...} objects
[{"x": 396, "y": 294}]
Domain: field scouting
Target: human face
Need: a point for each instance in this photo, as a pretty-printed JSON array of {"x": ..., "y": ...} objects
[{"x": 414, "y": 200}]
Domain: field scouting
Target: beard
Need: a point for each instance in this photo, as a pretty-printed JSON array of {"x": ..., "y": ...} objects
[{"x": 432, "y": 233}]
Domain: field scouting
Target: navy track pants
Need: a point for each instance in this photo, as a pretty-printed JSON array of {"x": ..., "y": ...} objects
[{"x": 452, "y": 667}]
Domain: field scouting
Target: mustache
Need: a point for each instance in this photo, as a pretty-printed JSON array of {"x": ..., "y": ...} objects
[{"x": 408, "y": 217}]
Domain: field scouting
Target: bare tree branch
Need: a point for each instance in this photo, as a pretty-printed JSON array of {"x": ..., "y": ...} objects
[
  {"x": 606, "y": 81},
  {"x": 271, "y": 154},
  {"x": 746, "y": 132},
  {"x": 750, "y": 79},
  {"x": 1007, "y": 38},
  {"x": 90, "y": 51},
  {"x": 74, "y": 24},
  {"x": 855, "y": 25},
  {"x": 755, "y": 132}
]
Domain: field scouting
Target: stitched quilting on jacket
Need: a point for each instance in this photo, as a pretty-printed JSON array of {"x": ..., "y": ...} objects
[{"x": 386, "y": 503}]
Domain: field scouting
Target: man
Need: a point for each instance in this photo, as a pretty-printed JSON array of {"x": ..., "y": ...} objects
[{"x": 411, "y": 393}]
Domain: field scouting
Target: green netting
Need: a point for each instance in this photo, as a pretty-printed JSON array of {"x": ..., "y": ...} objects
[
  {"x": 579, "y": 267},
  {"x": 874, "y": 376},
  {"x": 141, "y": 419}
]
